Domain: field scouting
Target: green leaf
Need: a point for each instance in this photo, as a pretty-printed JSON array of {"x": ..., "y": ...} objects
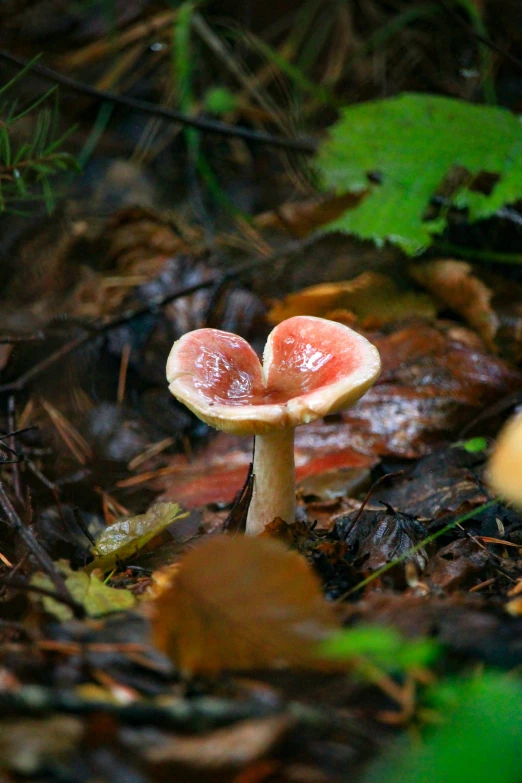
[
  {"x": 383, "y": 647},
  {"x": 123, "y": 539},
  {"x": 473, "y": 445},
  {"x": 220, "y": 100},
  {"x": 88, "y": 590},
  {"x": 480, "y": 741},
  {"x": 397, "y": 152}
]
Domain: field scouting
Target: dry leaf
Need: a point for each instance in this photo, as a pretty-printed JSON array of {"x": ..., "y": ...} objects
[
  {"x": 227, "y": 748},
  {"x": 454, "y": 283},
  {"x": 242, "y": 603},
  {"x": 302, "y": 217},
  {"x": 372, "y": 299}
]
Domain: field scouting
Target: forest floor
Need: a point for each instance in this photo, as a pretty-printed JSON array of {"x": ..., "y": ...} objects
[{"x": 143, "y": 637}]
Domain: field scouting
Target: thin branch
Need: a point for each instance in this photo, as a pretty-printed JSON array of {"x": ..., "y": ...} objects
[
  {"x": 4, "y": 340},
  {"x": 453, "y": 12},
  {"x": 34, "y": 547},
  {"x": 155, "y": 304},
  {"x": 172, "y": 115}
]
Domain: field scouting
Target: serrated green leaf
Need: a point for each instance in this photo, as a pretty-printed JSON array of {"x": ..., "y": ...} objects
[
  {"x": 124, "y": 539},
  {"x": 88, "y": 590},
  {"x": 410, "y": 144}
]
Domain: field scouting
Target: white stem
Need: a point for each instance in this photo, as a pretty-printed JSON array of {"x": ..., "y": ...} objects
[{"x": 274, "y": 480}]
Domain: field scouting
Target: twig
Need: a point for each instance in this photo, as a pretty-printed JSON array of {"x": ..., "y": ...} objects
[
  {"x": 153, "y": 305},
  {"x": 21, "y": 338},
  {"x": 478, "y": 36},
  {"x": 206, "y": 125},
  {"x": 18, "y": 432},
  {"x": 38, "y": 368},
  {"x": 198, "y": 714},
  {"x": 34, "y": 546},
  {"x": 11, "y": 425}
]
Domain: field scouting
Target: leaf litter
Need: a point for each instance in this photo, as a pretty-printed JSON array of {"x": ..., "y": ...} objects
[{"x": 171, "y": 652}]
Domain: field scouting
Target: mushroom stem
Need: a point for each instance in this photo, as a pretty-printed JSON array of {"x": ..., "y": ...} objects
[{"x": 274, "y": 480}]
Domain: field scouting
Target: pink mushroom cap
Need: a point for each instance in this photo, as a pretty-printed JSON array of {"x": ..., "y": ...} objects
[{"x": 311, "y": 367}]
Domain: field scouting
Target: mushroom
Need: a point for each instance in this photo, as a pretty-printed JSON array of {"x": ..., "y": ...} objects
[
  {"x": 311, "y": 367},
  {"x": 505, "y": 464}
]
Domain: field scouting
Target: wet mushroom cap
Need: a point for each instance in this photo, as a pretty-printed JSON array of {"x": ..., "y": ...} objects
[{"x": 311, "y": 367}]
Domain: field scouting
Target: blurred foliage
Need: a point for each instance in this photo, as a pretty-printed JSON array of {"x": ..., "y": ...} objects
[
  {"x": 479, "y": 740},
  {"x": 383, "y": 647},
  {"x": 400, "y": 153}
]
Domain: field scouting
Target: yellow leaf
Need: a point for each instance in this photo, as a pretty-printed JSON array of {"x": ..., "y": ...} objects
[
  {"x": 125, "y": 537},
  {"x": 372, "y": 299},
  {"x": 95, "y": 596}
]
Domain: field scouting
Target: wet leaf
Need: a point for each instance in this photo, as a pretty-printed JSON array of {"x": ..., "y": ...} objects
[
  {"x": 372, "y": 299},
  {"x": 242, "y": 603},
  {"x": 218, "y": 473},
  {"x": 126, "y": 537},
  {"x": 445, "y": 482},
  {"x": 434, "y": 380},
  {"x": 97, "y": 598},
  {"x": 454, "y": 283}
]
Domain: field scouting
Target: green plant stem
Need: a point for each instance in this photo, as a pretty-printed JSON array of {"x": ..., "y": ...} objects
[{"x": 480, "y": 255}]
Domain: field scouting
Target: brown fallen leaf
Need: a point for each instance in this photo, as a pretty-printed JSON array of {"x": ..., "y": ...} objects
[
  {"x": 454, "y": 283},
  {"x": 445, "y": 482},
  {"x": 435, "y": 379},
  {"x": 372, "y": 299},
  {"x": 218, "y": 473},
  {"x": 242, "y": 603},
  {"x": 490, "y": 303},
  {"x": 302, "y": 217},
  {"x": 457, "y": 565}
]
